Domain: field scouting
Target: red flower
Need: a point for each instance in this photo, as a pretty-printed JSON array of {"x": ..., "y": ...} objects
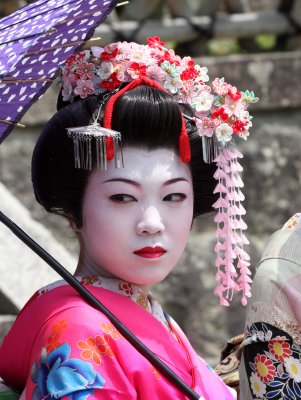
[
  {"x": 169, "y": 57},
  {"x": 280, "y": 350},
  {"x": 136, "y": 70},
  {"x": 111, "y": 83},
  {"x": 103, "y": 346},
  {"x": 70, "y": 60},
  {"x": 264, "y": 368},
  {"x": 234, "y": 94},
  {"x": 155, "y": 42},
  {"x": 191, "y": 63},
  {"x": 74, "y": 57},
  {"x": 108, "y": 55},
  {"x": 238, "y": 127},
  {"x": 220, "y": 113},
  {"x": 188, "y": 74},
  {"x": 127, "y": 288}
]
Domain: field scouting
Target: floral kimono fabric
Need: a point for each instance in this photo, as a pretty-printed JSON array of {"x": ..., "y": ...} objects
[{"x": 74, "y": 352}]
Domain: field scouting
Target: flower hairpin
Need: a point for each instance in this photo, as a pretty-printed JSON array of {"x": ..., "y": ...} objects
[{"x": 220, "y": 115}]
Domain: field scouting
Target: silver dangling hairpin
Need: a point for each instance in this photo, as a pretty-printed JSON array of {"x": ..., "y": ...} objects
[
  {"x": 85, "y": 136},
  {"x": 210, "y": 149},
  {"x": 209, "y": 144}
]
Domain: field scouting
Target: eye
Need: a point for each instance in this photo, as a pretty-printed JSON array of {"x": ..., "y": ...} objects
[
  {"x": 175, "y": 197},
  {"x": 122, "y": 198}
]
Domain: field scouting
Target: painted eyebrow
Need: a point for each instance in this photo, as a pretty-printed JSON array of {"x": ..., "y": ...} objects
[
  {"x": 137, "y": 184},
  {"x": 130, "y": 181}
]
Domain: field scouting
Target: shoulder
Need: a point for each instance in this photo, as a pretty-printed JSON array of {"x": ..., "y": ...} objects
[
  {"x": 294, "y": 222},
  {"x": 282, "y": 253}
]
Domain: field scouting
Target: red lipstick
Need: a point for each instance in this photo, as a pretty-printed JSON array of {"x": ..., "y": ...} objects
[{"x": 150, "y": 252}]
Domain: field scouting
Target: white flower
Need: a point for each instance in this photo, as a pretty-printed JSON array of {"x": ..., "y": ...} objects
[
  {"x": 203, "y": 101},
  {"x": 105, "y": 70},
  {"x": 261, "y": 336},
  {"x": 96, "y": 51},
  {"x": 202, "y": 76},
  {"x": 258, "y": 387},
  {"x": 173, "y": 84},
  {"x": 293, "y": 368},
  {"x": 224, "y": 133}
]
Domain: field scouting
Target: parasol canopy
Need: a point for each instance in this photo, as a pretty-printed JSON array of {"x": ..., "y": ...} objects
[{"x": 34, "y": 42}]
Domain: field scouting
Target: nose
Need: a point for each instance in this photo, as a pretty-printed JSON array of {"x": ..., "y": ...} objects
[{"x": 150, "y": 222}]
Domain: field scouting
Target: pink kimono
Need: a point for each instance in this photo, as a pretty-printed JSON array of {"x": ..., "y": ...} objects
[{"x": 61, "y": 347}]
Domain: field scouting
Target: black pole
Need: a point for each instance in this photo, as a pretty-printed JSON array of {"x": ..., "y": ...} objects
[{"x": 145, "y": 351}]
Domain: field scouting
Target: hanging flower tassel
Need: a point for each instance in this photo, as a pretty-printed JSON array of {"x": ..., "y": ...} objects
[{"x": 232, "y": 260}]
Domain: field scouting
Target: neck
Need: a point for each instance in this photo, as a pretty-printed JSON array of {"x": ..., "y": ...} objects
[{"x": 87, "y": 267}]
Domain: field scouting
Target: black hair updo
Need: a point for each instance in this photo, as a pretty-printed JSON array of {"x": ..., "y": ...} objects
[{"x": 147, "y": 118}]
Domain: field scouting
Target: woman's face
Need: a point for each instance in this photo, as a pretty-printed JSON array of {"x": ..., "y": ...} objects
[{"x": 136, "y": 219}]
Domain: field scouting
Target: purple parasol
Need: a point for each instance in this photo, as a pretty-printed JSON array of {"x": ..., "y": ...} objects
[{"x": 34, "y": 42}]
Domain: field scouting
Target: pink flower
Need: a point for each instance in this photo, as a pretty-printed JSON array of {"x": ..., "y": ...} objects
[
  {"x": 220, "y": 86},
  {"x": 67, "y": 91},
  {"x": 66, "y": 71},
  {"x": 122, "y": 72},
  {"x": 84, "y": 88},
  {"x": 71, "y": 79},
  {"x": 233, "y": 107},
  {"x": 141, "y": 55},
  {"x": 156, "y": 73},
  {"x": 187, "y": 92},
  {"x": 205, "y": 127},
  {"x": 85, "y": 70}
]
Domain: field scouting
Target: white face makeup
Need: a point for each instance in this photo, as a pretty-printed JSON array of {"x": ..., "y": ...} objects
[{"x": 136, "y": 219}]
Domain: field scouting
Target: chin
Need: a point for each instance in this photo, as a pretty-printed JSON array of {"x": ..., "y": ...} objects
[{"x": 149, "y": 281}]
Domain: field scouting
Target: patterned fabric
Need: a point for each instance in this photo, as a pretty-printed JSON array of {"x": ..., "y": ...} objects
[
  {"x": 271, "y": 354},
  {"x": 74, "y": 352},
  {"x": 272, "y": 362},
  {"x": 124, "y": 288}
]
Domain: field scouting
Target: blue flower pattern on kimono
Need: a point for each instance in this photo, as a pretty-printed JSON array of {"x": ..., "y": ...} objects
[{"x": 57, "y": 376}]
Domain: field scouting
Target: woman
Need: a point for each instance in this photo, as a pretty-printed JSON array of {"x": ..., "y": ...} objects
[
  {"x": 271, "y": 361},
  {"x": 132, "y": 224}
]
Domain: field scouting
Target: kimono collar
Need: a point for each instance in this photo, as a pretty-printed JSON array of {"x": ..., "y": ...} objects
[{"x": 121, "y": 287}]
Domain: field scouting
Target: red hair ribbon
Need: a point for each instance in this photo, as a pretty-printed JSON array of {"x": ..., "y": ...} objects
[{"x": 184, "y": 145}]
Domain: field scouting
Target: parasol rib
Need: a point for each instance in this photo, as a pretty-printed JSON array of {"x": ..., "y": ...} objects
[
  {"x": 48, "y": 32},
  {"x": 7, "y": 121},
  {"x": 56, "y": 8},
  {"x": 3, "y": 82}
]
